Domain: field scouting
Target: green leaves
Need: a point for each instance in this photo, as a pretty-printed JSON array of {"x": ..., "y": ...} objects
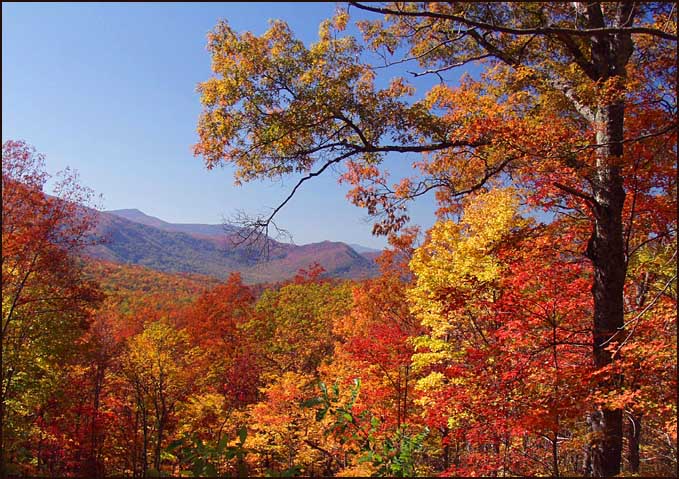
[
  {"x": 396, "y": 456},
  {"x": 391, "y": 456},
  {"x": 206, "y": 458}
]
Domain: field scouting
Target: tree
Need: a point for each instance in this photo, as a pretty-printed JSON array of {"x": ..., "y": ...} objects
[
  {"x": 46, "y": 299},
  {"x": 503, "y": 374},
  {"x": 374, "y": 349},
  {"x": 374, "y": 345},
  {"x": 216, "y": 323},
  {"x": 293, "y": 324},
  {"x": 283, "y": 432},
  {"x": 157, "y": 366},
  {"x": 552, "y": 111}
]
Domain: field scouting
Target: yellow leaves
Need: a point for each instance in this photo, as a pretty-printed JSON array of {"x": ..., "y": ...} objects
[
  {"x": 455, "y": 252},
  {"x": 324, "y": 30},
  {"x": 458, "y": 418},
  {"x": 288, "y": 387},
  {"x": 363, "y": 469},
  {"x": 432, "y": 382},
  {"x": 442, "y": 353},
  {"x": 489, "y": 216},
  {"x": 208, "y": 91},
  {"x": 436, "y": 95},
  {"x": 340, "y": 20},
  {"x": 282, "y": 399},
  {"x": 455, "y": 260},
  {"x": 273, "y": 100},
  {"x": 366, "y": 80},
  {"x": 523, "y": 72},
  {"x": 398, "y": 88},
  {"x": 200, "y": 411}
]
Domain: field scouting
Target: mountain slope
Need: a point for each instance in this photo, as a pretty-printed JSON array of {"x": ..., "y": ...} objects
[
  {"x": 189, "y": 228},
  {"x": 133, "y": 237},
  {"x": 128, "y": 242},
  {"x": 363, "y": 249},
  {"x": 338, "y": 260}
]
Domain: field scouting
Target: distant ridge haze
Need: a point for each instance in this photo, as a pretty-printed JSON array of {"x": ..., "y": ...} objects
[{"x": 363, "y": 249}]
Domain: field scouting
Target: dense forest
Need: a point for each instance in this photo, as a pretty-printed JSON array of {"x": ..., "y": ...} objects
[{"x": 531, "y": 331}]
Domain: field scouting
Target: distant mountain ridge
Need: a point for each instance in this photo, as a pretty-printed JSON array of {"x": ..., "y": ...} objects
[
  {"x": 363, "y": 249},
  {"x": 190, "y": 228},
  {"x": 133, "y": 237}
]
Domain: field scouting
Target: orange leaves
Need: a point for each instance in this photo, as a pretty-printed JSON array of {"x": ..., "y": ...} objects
[
  {"x": 282, "y": 399},
  {"x": 217, "y": 313}
]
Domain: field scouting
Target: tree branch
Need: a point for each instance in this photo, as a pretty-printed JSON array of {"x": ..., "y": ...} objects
[
  {"x": 587, "y": 32},
  {"x": 575, "y": 192}
]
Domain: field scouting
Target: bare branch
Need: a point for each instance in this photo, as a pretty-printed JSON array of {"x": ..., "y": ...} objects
[
  {"x": 254, "y": 232},
  {"x": 449, "y": 67}
]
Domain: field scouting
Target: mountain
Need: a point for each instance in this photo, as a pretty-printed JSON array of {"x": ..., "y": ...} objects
[
  {"x": 126, "y": 241},
  {"x": 363, "y": 249},
  {"x": 132, "y": 237},
  {"x": 189, "y": 228}
]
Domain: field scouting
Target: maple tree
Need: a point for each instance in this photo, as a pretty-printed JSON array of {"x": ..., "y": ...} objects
[
  {"x": 502, "y": 362},
  {"x": 553, "y": 110},
  {"x": 374, "y": 337},
  {"x": 371, "y": 366},
  {"x": 216, "y": 323}
]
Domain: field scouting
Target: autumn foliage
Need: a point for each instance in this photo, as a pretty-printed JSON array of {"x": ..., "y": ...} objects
[
  {"x": 531, "y": 331},
  {"x": 467, "y": 356}
]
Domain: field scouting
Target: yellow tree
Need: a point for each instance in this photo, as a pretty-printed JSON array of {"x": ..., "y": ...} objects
[
  {"x": 157, "y": 367},
  {"x": 294, "y": 325}
]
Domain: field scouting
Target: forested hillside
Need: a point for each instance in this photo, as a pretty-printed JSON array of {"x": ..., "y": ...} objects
[{"x": 131, "y": 237}]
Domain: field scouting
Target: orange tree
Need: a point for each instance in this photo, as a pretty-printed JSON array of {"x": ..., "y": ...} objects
[
  {"x": 216, "y": 323},
  {"x": 553, "y": 110}
]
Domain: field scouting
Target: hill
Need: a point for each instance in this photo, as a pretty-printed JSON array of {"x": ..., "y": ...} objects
[
  {"x": 193, "y": 229},
  {"x": 132, "y": 237}
]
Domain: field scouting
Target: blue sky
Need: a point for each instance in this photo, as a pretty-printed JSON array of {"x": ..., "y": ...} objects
[{"x": 110, "y": 90}]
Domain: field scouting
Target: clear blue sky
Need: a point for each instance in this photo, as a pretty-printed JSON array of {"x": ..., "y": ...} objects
[{"x": 109, "y": 89}]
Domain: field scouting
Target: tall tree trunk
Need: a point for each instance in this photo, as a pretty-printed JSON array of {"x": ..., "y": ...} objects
[
  {"x": 555, "y": 455},
  {"x": 135, "y": 444},
  {"x": 157, "y": 450},
  {"x": 446, "y": 448},
  {"x": 610, "y": 54},
  {"x": 606, "y": 250},
  {"x": 634, "y": 438},
  {"x": 405, "y": 394},
  {"x": 159, "y": 439},
  {"x": 5, "y": 382},
  {"x": 145, "y": 443}
]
